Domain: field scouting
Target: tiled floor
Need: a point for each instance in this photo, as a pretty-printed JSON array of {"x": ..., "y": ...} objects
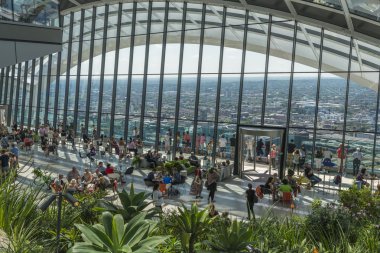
[{"x": 229, "y": 197}]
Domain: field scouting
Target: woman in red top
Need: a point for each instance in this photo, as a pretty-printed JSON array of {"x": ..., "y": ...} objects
[{"x": 109, "y": 169}]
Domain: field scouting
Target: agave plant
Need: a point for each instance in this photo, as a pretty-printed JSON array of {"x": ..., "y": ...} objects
[
  {"x": 113, "y": 236},
  {"x": 192, "y": 224},
  {"x": 233, "y": 239},
  {"x": 131, "y": 204}
]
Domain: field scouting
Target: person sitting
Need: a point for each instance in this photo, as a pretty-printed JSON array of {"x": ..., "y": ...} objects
[
  {"x": 85, "y": 137},
  {"x": 193, "y": 160},
  {"x": 72, "y": 187},
  {"x": 285, "y": 187},
  {"x": 360, "y": 178},
  {"x": 91, "y": 153},
  {"x": 104, "y": 182},
  {"x": 151, "y": 175},
  {"x": 87, "y": 176},
  {"x": 293, "y": 183},
  {"x": 212, "y": 212},
  {"x": 73, "y": 174},
  {"x": 267, "y": 188},
  {"x": 109, "y": 169},
  {"x": 59, "y": 183},
  {"x": 151, "y": 159},
  {"x": 309, "y": 174},
  {"x": 177, "y": 177},
  {"x": 181, "y": 157},
  {"x": 101, "y": 168},
  {"x": 276, "y": 181},
  {"x": 167, "y": 179}
]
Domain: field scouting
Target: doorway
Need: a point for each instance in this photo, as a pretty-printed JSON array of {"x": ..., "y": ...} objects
[
  {"x": 3, "y": 115},
  {"x": 255, "y": 146}
]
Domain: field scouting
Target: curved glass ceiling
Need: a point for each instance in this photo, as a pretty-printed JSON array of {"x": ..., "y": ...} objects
[{"x": 336, "y": 46}]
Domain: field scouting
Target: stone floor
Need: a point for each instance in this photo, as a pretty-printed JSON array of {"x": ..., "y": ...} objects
[{"x": 229, "y": 197}]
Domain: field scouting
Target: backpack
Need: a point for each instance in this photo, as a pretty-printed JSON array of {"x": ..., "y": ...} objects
[
  {"x": 337, "y": 179},
  {"x": 255, "y": 198},
  {"x": 259, "y": 193}
]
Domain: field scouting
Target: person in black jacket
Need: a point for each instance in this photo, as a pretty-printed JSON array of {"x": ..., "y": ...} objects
[{"x": 251, "y": 196}]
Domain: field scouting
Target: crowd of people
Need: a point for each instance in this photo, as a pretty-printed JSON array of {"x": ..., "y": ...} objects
[
  {"x": 104, "y": 177},
  {"x": 101, "y": 178}
]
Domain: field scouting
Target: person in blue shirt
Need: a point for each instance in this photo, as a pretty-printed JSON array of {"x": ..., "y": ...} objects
[
  {"x": 167, "y": 179},
  {"x": 15, "y": 151}
]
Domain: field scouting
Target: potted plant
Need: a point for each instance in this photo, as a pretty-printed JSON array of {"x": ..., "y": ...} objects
[{"x": 136, "y": 161}]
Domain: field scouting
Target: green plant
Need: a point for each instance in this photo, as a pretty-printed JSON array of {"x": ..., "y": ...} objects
[
  {"x": 169, "y": 166},
  {"x": 136, "y": 161},
  {"x": 192, "y": 224},
  {"x": 361, "y": 203},
  {"x": 190, "y": 170},
  {"x": 131, "y": 204},
  {"x": 114, "y": 236},
  {"x": 232, "y": 239},
  {"x": 43, "y": 176},
  {"x": 19, "y": 215}
]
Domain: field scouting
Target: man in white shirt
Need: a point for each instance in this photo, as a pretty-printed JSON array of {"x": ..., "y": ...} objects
[
  {"x": 358, "y": 157},
  {"x": 222, "y": 146}
]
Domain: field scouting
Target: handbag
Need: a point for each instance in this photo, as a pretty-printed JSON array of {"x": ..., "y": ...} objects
[{"x": 206, "y": 184}]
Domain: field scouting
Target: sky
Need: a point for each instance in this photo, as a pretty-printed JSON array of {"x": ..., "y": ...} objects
[{"x": 255, "y": 62}]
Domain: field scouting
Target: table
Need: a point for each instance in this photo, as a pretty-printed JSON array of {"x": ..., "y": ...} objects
[
  {"x": 373, "y": 178},
  {"x": 324, "y": 172}
]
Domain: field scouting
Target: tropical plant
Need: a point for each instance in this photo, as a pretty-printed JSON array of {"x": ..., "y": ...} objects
[
  {"x": 232, "y": 239},
  {"x": 42, "y": 176},
  {"x": 136, "y": 161},
  {"x": 131, "y": 204},
  {"x": 192, "y": 224},
  {"x": 19, "y": 214},
  {"x": 114, "y": 236}
]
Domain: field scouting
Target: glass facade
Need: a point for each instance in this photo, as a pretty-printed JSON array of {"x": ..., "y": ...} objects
[
  {"x": 40, "y": 12},
  {"x": 201, "y": 70}
]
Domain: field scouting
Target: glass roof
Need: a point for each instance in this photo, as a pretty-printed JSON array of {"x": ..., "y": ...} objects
[{"x": 336, "y": 46}]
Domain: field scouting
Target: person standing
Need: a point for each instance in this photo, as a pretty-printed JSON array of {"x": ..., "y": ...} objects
[
  {"x": 259, "y": 148},
  {"x": 4, "y": 159},
  {"x": 250, "y": 195},
  {"x": 291, "y": 149},
  {"x": 232, "y": 145},
  {"x": 358, "y": 157},
  {"x": 273, "y": 155},
  {"x": 167, "y": 142},
  {"x": 222, "y": 146},
  {"x": 302, "y": 155},
  {"x": 341, "y": 153},
  {"x": 318, "y": 159},
  {"x": 15, "y": 151},
  {"x": 212, "y": 179},
  {"x": 296, "y": 161},
  {"x": 157, "y": 197}
]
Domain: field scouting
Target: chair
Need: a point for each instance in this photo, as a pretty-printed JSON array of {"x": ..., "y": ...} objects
[
  {"x": 148, "y": 183},
  {"x": 286, "y": 197},
  {"x": 181, "y": 183},
  {"x": 129, "y": 171}
]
